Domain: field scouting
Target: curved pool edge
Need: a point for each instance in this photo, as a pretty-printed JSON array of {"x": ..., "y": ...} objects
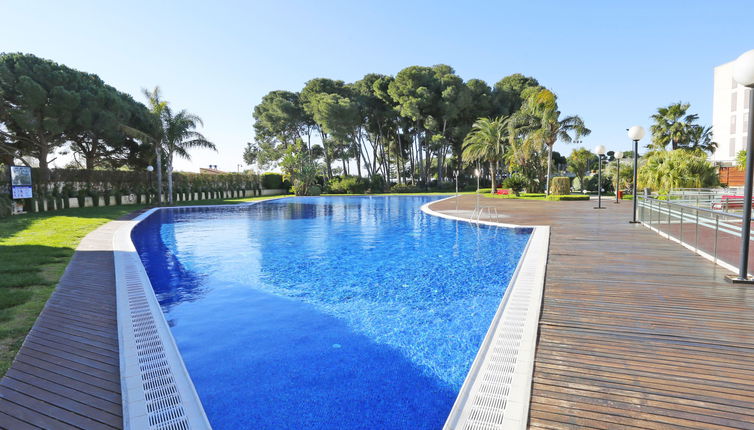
[
  {"x": 497, "y": 389},
  {"x": 157, "y": 391}
]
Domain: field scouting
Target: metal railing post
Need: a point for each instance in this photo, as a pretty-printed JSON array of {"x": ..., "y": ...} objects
[
  {"x": 696, "y": 233},
  {"x": 717, "y": 226}
]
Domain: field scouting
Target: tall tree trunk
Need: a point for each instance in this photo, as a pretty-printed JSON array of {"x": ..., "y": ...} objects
[
  {"x": 386, "y": 161},
  {"x": 439, "y": 169},
  {"x": 323, "y": 136},
  {"x": 399, "y": 159},
  {"x": 170, "y": 178},
  {"x": 358, "y": 160},
  {"x": 549, "y": 164},
  {"x": 419, "y": 157},
  {"x": 44, "y": 168},
  {"x": 89, "y": 159},
  {"x": 159, "y": 174},
  {"x": 493, "y": 171}
]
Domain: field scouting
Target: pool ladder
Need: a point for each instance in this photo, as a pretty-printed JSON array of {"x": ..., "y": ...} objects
[{"x": 478, "y": 212}]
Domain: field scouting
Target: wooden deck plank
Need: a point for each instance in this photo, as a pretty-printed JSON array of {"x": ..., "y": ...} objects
[
  {"x": 636, "y": 331},
  {"x": 67, "y": 373}
]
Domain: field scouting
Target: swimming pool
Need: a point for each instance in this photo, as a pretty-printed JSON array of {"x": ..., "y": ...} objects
[{"x": 327, "y": 312}]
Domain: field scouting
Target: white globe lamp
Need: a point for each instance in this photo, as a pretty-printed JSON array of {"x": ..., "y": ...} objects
[
  {"x": 743, "y": 69},
  {"x": 636, "y": 133}
]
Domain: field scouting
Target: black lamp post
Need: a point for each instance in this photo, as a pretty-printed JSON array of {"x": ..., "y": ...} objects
[
  {"x": 600, "y": 151},
  {"x": 635, "y": 133},
  {"x": 618, "y": 156},
  {"x": 743, "y": 73},
  {"x": 149, "y": 182}
]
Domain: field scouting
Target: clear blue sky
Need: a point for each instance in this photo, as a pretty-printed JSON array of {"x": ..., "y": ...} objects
[{"x": 611, "y": 62}]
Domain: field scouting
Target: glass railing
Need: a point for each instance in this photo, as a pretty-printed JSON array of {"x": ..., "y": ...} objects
[{"x": 715, "y": 234}]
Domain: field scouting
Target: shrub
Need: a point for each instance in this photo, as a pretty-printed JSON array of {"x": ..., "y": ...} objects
[
  {"x": 377, "y": 184},
  {"x": 446, "y": 186},
  {"x": 568, "y": 197},
  {"x": 315, "y": 190},
  {"x": 560, "y": 186},
  {"x": 607, "y": 184},
  {"x": 272, "y": 181},
  {"x": 532, "y": 194},
  {"x": 404, "y": 188},
  {"x": 516, "y": 182},
  {"x": 347, "y": 185},
  {"x": 485, "y": 190}
]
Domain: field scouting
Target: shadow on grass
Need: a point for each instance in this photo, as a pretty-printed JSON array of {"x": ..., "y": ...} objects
[
  {"x": 27, "y": 266},
  {"x": 11, "y": 226}
]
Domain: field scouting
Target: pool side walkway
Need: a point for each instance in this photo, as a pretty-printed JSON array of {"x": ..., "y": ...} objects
[
  {"x": 636, "y": 331},
  {"x": 67, "y": 373}
]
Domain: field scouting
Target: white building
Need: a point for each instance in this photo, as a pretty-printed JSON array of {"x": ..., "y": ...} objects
[{"x": 730, "y": 107}]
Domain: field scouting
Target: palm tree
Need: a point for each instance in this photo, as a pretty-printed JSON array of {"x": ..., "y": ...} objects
[
  {"x": 672, "y": 125},
  {"x": 700, "y": 137},
  {"x": 179, "y": 136},
  {"x": 546, "y": 126},
  {"x": 486, "y": 142},
  {"x": 665, "y": 170},
  {"x": 157, "y": 106}
]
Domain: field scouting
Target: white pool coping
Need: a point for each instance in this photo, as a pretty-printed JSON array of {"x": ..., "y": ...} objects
[
  {"x": 157, "y": 391},
  {"x": 156, "y": 388},
  {"x": 497, "y": 389}
]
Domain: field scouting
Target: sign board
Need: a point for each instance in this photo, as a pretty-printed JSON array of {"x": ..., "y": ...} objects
[{"x": 20, "y": 182}]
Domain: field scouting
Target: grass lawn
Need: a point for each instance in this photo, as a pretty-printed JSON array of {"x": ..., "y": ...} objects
[{"x": 35, "y": 250}]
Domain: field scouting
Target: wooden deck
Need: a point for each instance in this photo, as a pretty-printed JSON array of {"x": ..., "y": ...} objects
[
  {"x": 636, "y": 331},
  {"x": 66, "y": 375}
]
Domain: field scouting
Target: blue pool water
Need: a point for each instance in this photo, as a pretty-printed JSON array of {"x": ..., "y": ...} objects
[{"x": 327, "y": 312}]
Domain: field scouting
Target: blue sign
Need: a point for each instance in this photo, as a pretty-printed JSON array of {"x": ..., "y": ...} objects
[{"x": 21, "y": 192}]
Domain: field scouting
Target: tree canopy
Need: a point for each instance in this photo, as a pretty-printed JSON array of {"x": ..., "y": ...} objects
[
  {"x": 45, "y": 105},
  {"x": 675, "y": 126},
  {"x": 410, "y": 127}
]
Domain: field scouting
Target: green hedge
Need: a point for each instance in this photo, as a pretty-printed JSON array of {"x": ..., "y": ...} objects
[
  {"x": 568, "y": 197},
  {"x": 404, "y": 188},
  {"x": 272, "y": 181},
  {"x": 66, "y": 183},
  {"x": 560, "y": 186},
  {"x": 347, "y": 185}
]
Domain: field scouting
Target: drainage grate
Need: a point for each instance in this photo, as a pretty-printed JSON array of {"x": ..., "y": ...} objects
[
  {"x": 163, "y": 402},
  {"x": 495, "y": 394},
  {"x": 157, "y": 391}
]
